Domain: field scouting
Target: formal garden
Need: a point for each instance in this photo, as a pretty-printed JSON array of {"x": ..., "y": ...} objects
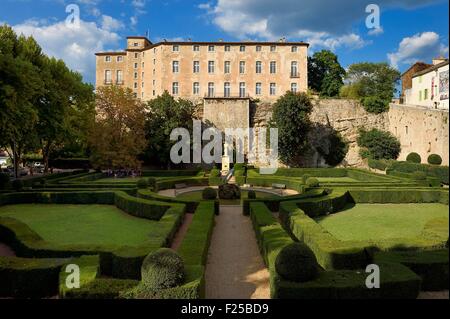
[{"x": 315, "y": 239}]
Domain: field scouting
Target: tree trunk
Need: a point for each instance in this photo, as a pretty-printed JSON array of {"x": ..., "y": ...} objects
[{"x": 46, "y": 155}]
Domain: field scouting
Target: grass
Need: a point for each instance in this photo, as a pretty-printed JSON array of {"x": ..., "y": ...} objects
[
  {"x": 82, "y": 224},
  {"x": 382, "y": 221}
]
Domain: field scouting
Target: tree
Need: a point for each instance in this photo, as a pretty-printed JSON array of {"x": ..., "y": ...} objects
[
  {"x": 20, "y": 88},
  {"x": 117, "y": 137},
  {"x": 325, "y": 74},
  {"x": 377, "y": 144},
  {"x": 165, "y": 114},
  {"x": 291, "y": 117},
  {"x": 373, "y": 83}
]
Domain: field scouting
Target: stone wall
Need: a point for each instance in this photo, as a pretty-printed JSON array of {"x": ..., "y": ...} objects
[
  {"x": 421, "y": 130},
  {"x": 227, "y": 113}
]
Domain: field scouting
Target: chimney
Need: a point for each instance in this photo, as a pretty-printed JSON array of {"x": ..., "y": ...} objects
[{"x": 438, "y": 60}]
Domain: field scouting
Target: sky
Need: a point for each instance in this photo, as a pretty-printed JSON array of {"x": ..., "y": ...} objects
[{"x": 408, "y": 30}]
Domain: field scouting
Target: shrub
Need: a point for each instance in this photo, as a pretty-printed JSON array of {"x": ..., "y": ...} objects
[
  {"x": 414, "y": 158},
  {"x": 378, "y": 164},
  {"x": 4, "y": 180},
  {"x": 296, "y": 262},
  {"x": 162, "y": 269},
  {"x": 375, "y": 104},
  {"x": 152, "y": 182},
  {"x": 239, "y": 167},
  {"x": 229, "y": 191},
  {"x": 312, "y": 182},
  {"x": 251, "y": 194},
  {"x": 17, "y": 184},
  {"x": 142, "y": 183},
  {"x": 305, "y": 178},
  {"x": 434, "y": 159},
  {"x": 215, "y": 172},
  {"x": 378, "y": 144},
  {"x": 209, "y": 193},
  {"x": 419, "y": 176}
]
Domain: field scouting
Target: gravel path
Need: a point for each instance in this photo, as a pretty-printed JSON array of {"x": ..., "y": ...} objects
[
  {"x": 235, "y": 268},
  {"x": 179, "y": 236}
]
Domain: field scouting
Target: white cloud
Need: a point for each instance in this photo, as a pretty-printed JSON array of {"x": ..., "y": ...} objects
[
  {"x": 111, "y": 24},
  {"x": 326, "y": 23},
  {"x": 376, "y": 31},
  {"x": 420, "y": 47},
  {"x": 76, "y": 46}
]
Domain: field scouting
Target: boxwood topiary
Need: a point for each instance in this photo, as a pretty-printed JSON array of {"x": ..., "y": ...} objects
[
  {"x": 209, "y": 193},
  {"x": 251, "y": 194},
  {"x": 305, "y": 178},
  {"x": 312, "y": 182},
  {"x": 142, "y": 183},
  {"x": 414, "y": 158},
  {"x": 296, "y": 262},
  {"x": 162, "y": 269},
  {"x": 434, "y": 159}
]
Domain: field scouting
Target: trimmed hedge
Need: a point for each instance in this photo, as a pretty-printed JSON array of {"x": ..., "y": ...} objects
[
  {"x": 384, "y": 196},
  {"x": 414, "y": 158},
  {"x": 441, "y": 172},
  {"x": 190, "y": 181},
  {"x": 434, "y": 159},
  {"x": 431, "y": 266},
  {"x": 171, "y": 173},
  {"x": 380, "y": 165},
  {"x": 141, "y": 208}
]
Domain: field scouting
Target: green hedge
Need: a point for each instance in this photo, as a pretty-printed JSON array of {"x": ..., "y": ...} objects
[
  {"x": 378, "y": 164},
  {"x": 330, "y": 252},
  {"x": 441, "y": 172},
  {"x": 172, "y": 173},
  {"x": 315, "y": 172},
  {"x": 141, "y": 208},
  {"x": 189, "y": 181},
  {"x": 383, "y": 196},
  {"x": 431, "y": 266},
  {"x": 427, "y": 182}
]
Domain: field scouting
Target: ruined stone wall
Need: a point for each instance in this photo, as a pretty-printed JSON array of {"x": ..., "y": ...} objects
[{"x": 421, "y": 130}]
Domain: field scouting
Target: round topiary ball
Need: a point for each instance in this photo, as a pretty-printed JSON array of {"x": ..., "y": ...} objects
[
  {"x": 251, "y": 194},
  {"x": 296, "y": 262},
  {"x": 312, "y": 182},
  {"x": 305, "y": 178},
  {"x": 162, "y": 269},
  {"x": 229, "y": 191},
  {"x": 142, "y": 183},
  {"x": 434, "y": 159},
  {"x": 414, "y": 158},
  {"x": 209, "y": 193},
  {"x": 419, "y": 176}
]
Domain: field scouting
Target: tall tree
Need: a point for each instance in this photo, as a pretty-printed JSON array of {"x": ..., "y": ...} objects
[
  {"x": 117, "y": 137},
  {"x": 291, "y": 117},
  {"x": 165, "y": 114},
  {"x": 325, "y": 74}
]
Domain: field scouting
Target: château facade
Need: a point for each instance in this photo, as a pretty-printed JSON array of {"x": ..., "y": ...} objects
[{"x": 198, "y": 70}]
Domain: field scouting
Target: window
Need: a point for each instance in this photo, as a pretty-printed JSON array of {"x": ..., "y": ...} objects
[
  {"x": 154, "y": 61},
  {"x": 242, "y": 67},
  {"x": 258, "y": 48},
  {"x": 210, "y": 89},
  {"x": 258, "y": 67},
  {"x": 273, "y": 67},
  {"x": 273, "y": 48},
  {"x": 175, "y": 88},
  {"x": 406, "y": 130},
  {"x": 120, "y": 59},
  {"x": 175, "y": 67},
  {"x": 227, "y": 68},
  {"x": 196, "y": 88},
  {"x": 135, "y": 85},
  {"x": 273, "y": 89},
  {"x": 258, "y": 88},
  {"x": 227, "y": 48},
  {"x": 196, "y": 48},
  {"x": 294, "y": 69},
  {"x": 136, "y": 65},
  {"x": 119, "y": 77},
  {"x": 142, "y": 74},
  {"x": 196, "y": 66},
  {"x": 242, "y": 48},
  {"x": 136, "y": 55},
  {"x": 136, "y": 44},
  {"x": 154, "y": 92},
  {"x": 211, "y": 48},
  {"x": 143, "y": 64},
  {"x": 420, "y": 95},
  {"x": 294, "y": 49},
  {"x": 135, "y": 95},
  {"x": 107, "y": 58},
  {"x": 108, "y": 78},
  {"x": 210, "y": 66},
  {"x": 143, "y": 84},
  {"x": 242, "y": 89},
  {"x": 136, "y": 75},
  {"x": 425, "y": 94},
  {"x": 176, "y": 48},
  {"x": 227, "y": 89},
  {"x": 294, "y": 87}
]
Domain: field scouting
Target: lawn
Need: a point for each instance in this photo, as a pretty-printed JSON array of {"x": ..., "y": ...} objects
[
  {"x": 82, "y": 224},
  {"x": 382, "y": 221}
]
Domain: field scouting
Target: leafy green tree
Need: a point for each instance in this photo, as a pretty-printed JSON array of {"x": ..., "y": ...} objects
[
  {"x": 165, "y": 114},
  {"x": 291, "y": 117},
  {"x": 325, "y": 74},
  {"x": 373, "y": 83},
  {"x": 377, "y": 144},
  {"x": 117, "y": 137}
]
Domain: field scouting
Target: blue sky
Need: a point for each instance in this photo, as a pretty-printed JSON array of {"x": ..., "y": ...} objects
[{"x": 410, "y": 30}]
